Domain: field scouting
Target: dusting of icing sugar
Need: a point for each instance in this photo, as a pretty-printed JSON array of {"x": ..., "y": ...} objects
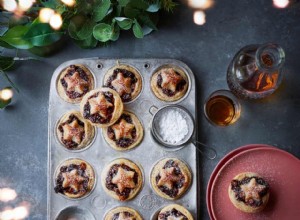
[{"x": 172, "y": 127}]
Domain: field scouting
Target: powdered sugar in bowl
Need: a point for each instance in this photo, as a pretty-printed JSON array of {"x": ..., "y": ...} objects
[{"x": 173, "y": 126}]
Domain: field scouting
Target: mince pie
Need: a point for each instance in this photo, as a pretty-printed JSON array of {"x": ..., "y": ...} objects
[
  {"x": 249, "y": 192},
  {"x": 73, "y": 132},
  {"x": 125, "y": 80},
  {"x": 74, "y": 178},
  {"x": 169, "y": 83},
  {"x": 174, "y": 212},
  {"x": 101, "y": 107},
  {"x": 74, "y": 82},
  {"x": 125, "y": 134},
  {"x": 122, "y": 179},
  {"x": 122, "y": 213},
  {"x": 170, "y": 178}
]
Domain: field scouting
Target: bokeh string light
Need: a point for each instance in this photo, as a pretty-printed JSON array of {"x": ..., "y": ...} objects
[
  {"x": 281, "y": 3},
  {"x": 200, "y": 6}
]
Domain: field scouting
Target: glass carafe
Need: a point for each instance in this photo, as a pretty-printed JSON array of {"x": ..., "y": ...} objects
[{"x": 256, "y": 71}]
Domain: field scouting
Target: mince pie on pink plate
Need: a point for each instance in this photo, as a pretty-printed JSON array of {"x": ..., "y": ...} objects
[
  {"x": 249, "y": 192},
  {"x": 101, "y": 107},
  {"x": 74, "y": 82},
  {"x": 122, "y": 179},
  {"x": 169, "y": 83},
  {"x": 170, "y": 178},
  {"x": 124, "y": 79}
]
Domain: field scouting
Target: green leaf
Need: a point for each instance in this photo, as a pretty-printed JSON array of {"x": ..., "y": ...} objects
[
  {"x": 103, "y": 32},
  {"x": 87, "y": 43},
  {"x": 131, "y": 12},
  {"x": 137, "y": 30},
  {"x": 6, "y": 62},
  {"x": 116, "y": 32},
  {"x": 5, "y": 45},
  {"x": 3, "y": 103},
  {"x": 14, "y": 37},
  {"x": 124, "y": 23},
  {"x": 154, "y": 7},
  {"x": 139, "y": 4},
  {"x": 145, "y": 19},
  {"x": 9, "y": 80},
  {"x": 80, "y": 28},
  {"x": 14, "y": 21},
  {"x": 42, "y": 34},
  {"x": 101, "y": 10},
  {"x": 123, "y": 3}
]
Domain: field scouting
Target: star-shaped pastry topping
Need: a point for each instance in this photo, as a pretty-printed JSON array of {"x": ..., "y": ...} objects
[
  {"x": 99, "y": 104},
  {"x": 170, "y": 79},
  {"x": 121, "y": 84},
  {"x": 175, "y": 218},
  {"x": 252, "y": 190},
  {"x": 72, "y": 179},
  {"x": 124, "y": 179},
  {"x": 75, "y": 83},
  {"x": 122, "y": 216},
  {"x": 73, "y": 132},
  {"x": 168, "y": 177},
  {"x": 123, "y": 129}
]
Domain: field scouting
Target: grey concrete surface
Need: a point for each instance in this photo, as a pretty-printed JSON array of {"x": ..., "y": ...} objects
[{"x": 206, "y": 49}]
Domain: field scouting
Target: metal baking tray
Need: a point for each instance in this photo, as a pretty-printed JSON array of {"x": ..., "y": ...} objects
[{"x": 147, "y": 203}]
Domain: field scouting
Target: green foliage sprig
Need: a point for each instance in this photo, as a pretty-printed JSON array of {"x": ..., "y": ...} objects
[{"x": 89, "y": 23}]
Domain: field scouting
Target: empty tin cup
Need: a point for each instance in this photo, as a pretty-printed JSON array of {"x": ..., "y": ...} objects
[
  {"x": 75, "y": 212},
  {"x": 159, "y": 113}
]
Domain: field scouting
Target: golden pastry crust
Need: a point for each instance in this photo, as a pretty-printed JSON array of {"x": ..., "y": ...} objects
[
  {"x": 74, "y": 83},
  {"x": 122, "y": 210},
  {"x": 124, "y": 181},
  {"x": 166, "y": 212},
  {"x": 73, "y": 132},
  {"x": 171, "y": 172},
  {"x": 250, "y": 191},
  {"x": 104, "y": 107},
  {"x": 174, "y": 83},
  {"x": 124, "y": 79},
  {"x": 68, "y": 179},
  {"x": 125, "y": 134}
]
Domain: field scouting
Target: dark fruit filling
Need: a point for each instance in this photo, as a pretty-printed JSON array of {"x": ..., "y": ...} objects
[
  {"x": 126, "y": 214},
  {"x": 70, "y": 143},
  {"x": 179, "y": 87},
  {"x": 126, "y": 97},
  {"x": 240, "y": 195},
  {"x": 177, "y": 185},
  {"x": 113, "y": 187},
  {"x": 122, "y": 142},
  {"x": 97, "y": 118},
  {"x": 66, "y": 169},
  {"x": 83, "y": 75},
  {"x": 172, "y": 213}
]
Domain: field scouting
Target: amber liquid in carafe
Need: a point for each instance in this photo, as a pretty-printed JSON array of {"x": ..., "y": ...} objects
[
  {"x": 220, "y": 110},
  {"x": 261, "y": 81}
]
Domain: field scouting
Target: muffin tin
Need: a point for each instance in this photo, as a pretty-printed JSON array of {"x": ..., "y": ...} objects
[{"x": 99, "y": 154}]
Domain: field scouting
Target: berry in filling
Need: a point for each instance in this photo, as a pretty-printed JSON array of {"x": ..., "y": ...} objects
[
  {"x": 123, "y": 132},
  {"x": 124, "y": 82},
  {"x": 170, "y": 179},
  {"x": 72, "y": 132},
  {"x": 173, "y": 213},
  {"x": 76, "y": 82},
  {"x": 72, "y": 179},
  {"x": 102, "y": 110},
  {"x": 250, "y": 190},
  {"x": 121, "y": 179}
]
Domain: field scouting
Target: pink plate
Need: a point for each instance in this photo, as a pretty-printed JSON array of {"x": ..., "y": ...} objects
[
  {"x": 281, "y": 171},
  {"x": 220, "y": 165}
]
